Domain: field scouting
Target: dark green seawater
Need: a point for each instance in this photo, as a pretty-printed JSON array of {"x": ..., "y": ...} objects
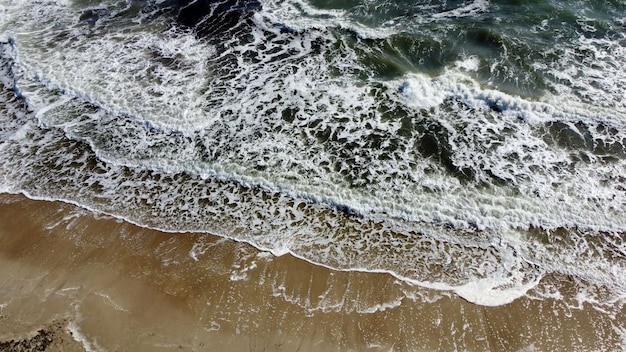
[{"x": 466, "y": 146}]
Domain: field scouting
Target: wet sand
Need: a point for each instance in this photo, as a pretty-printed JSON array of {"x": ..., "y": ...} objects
[{"x": 78, "y": 281}]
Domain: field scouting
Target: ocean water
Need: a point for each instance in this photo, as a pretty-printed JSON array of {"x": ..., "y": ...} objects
[{"x": 474, "y": 147}]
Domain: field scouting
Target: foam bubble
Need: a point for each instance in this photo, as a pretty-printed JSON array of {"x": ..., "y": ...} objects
[
  {"x": 471, "y": 63},
  {"x": 421, "y": 92}
]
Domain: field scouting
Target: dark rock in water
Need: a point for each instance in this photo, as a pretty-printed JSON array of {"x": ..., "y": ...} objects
[{"x": 39, "y": 342}]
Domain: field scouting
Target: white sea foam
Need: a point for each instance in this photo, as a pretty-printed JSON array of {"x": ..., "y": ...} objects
[
  {"x": 299, "y": 15},
  {"x": 472, "y": 9},
  {"x": 107, "y": 300},
  {"x": 77, "y": 335},
  {"x": 267, "y": 139}
]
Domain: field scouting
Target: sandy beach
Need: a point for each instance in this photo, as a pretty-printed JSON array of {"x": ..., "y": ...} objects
[{"x": 71, "y": 281}]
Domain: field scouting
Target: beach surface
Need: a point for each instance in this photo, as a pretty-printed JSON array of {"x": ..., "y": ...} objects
[{"x": 71, "y": 280}]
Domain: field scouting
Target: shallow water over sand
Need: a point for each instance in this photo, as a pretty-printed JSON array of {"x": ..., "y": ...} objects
[{"x": 116, "y": 286}]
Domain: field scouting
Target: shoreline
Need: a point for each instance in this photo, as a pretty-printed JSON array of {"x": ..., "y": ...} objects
[{"x": 111, "y": 285}]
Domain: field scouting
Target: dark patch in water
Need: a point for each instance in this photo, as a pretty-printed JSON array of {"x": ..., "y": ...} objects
[
  {"x": 494, "y": 105},
  {"x": 90, "y": 17},
  {"x": 210, "y": 18},
  {"x": 434, "y": 144}
]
